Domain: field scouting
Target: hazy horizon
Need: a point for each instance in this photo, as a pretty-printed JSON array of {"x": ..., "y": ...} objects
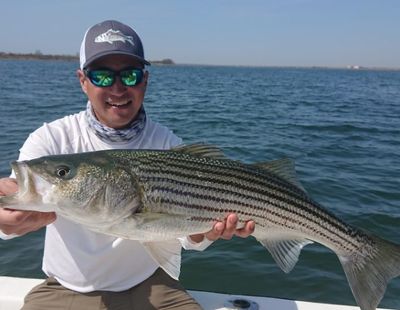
[{"x": 299, "y": 33}]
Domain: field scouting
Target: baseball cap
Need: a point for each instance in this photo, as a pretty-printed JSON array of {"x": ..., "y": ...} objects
[{"x": 110, "y": 37}]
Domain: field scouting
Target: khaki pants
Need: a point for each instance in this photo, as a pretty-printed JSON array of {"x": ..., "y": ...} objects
[{"x": 157, "y": 292}]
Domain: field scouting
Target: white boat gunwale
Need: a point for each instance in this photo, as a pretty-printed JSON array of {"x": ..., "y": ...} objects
[{"x": 13, "y": 290}]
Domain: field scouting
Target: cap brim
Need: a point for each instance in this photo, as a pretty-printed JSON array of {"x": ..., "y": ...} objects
[{"x": 100, "y": 55}]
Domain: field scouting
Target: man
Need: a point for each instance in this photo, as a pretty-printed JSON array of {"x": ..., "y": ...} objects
[{"x": 88, "y": 270}]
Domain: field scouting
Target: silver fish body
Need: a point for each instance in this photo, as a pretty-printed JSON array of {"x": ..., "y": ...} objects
[{"x": 152, "y": 195}]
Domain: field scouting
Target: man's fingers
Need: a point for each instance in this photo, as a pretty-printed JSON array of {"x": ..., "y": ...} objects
[
  {"x": 40, "y": 219},
  {"x": 247, "y": 230},
  {"x": 8, "y": 186},
  {"x": 230, "y": 227},
  {"x": 227, "y": 228},
  {"x": 216, "y": 232},
  {"x": 13, "y": 217},
  {"x": 22, "y": 222}
]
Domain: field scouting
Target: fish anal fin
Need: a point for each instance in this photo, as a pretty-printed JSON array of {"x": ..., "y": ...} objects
[
  {"x": 167, "y": 254},
  {"x": 284, "y": 168},
  {"x": 200, "y": 149},
  {"x": 285, "y": 252}
]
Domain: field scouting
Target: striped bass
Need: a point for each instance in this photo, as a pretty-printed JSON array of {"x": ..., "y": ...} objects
[{"x": 156, "y": 195}]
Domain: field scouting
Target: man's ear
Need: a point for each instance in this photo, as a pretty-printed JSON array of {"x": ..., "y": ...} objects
[
  {"x": 82, "y": 80},
  {"x": 145, "y": 79}
]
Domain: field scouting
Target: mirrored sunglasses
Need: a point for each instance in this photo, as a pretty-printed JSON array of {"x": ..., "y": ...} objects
[{"x": 106, "y": 77}]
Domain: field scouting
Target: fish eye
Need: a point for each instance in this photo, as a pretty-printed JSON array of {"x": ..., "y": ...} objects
[{"x": 62, "y": 171}]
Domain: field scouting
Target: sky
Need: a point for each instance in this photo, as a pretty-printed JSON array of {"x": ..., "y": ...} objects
[{"x": 333, "y": 33}]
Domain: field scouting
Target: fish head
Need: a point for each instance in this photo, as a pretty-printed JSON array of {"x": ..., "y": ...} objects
[{"x": 86, "y": 188}]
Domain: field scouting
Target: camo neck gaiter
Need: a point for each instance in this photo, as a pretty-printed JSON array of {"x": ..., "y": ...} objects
[{"x": 108, "y": 134}]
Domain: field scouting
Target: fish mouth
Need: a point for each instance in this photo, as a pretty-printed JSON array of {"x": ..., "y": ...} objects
[
  {"x": 29, "y": 196},
  {"x": 24, "y": 178},
  {"x": 31, "y": 188}
]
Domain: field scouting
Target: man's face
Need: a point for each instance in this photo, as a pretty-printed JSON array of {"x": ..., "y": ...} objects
[{"x": 117, "y": 105}]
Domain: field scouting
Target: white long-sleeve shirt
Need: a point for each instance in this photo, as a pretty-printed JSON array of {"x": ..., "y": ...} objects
[{"x": 78, "y": 258}]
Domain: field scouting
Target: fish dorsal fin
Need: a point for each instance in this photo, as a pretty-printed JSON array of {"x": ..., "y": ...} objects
[
  {"x": 284, "y": 168},
  {"x": 285, "y": 252},
  {"x": 200, "y": 149}
]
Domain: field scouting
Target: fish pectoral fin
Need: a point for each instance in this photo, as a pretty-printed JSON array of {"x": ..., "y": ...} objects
[
  {"x": 285, "y": 252},
  {"x": 167, "y": 254},
  {"x": 284, "y": 168},
  {"x": 155, "y": 222},
  {"x": 148, "y": 227},
  {"x": 150, "y": 217},
  {"x": 200, "y": 149}
]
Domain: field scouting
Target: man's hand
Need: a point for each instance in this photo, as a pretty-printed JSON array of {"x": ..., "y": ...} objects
[
  {"x": 8, "y": 186},
  {"x": 20, "y": 222},
  {"x": 226, "y": 229}
]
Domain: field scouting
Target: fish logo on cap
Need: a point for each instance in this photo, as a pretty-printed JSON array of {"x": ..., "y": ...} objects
[{"x": 112, "y": 36}]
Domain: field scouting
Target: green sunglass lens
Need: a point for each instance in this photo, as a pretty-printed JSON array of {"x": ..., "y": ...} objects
[
  {"x": 101, "y": 78},
  {"x": 131, "y": 77}
]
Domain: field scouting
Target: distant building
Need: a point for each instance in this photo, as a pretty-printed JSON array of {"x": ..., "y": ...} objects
[{"x": 354, "y": 67}]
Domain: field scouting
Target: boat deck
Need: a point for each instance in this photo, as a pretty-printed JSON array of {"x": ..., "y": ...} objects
[{"x": 13, "y": 290}]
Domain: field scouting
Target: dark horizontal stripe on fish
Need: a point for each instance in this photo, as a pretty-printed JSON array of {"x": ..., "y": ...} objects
[
  {"x": 264, "y": 199},
  {"x": 327, "y": 230},
  {"x": 262, "y": 190},
  {"x": 222, "y": 186},
  {"x": 250, "y": 174},
  {"x": 215, "y": 174},
  {"x": 217, "y": 170},
  {"x": 297, "y": 223}
]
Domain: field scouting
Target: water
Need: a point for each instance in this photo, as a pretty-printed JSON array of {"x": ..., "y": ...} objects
[{"x": 340, "y": 126}]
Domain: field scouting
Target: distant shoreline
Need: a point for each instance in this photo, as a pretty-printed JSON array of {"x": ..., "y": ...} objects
[
  {"x": 168, "y": 61},
  {"x": 37, "y": 56},
  {"x": 40, "y": 56}
]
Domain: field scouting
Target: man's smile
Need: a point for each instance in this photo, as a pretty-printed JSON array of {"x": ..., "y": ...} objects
[{"x": 120, "y": 104}]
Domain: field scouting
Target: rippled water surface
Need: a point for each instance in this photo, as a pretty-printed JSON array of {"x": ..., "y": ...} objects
[{"x": 342, "y": 128}]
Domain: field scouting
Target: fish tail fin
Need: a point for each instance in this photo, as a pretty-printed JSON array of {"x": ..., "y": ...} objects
[{"x": 369, "y": 274}]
